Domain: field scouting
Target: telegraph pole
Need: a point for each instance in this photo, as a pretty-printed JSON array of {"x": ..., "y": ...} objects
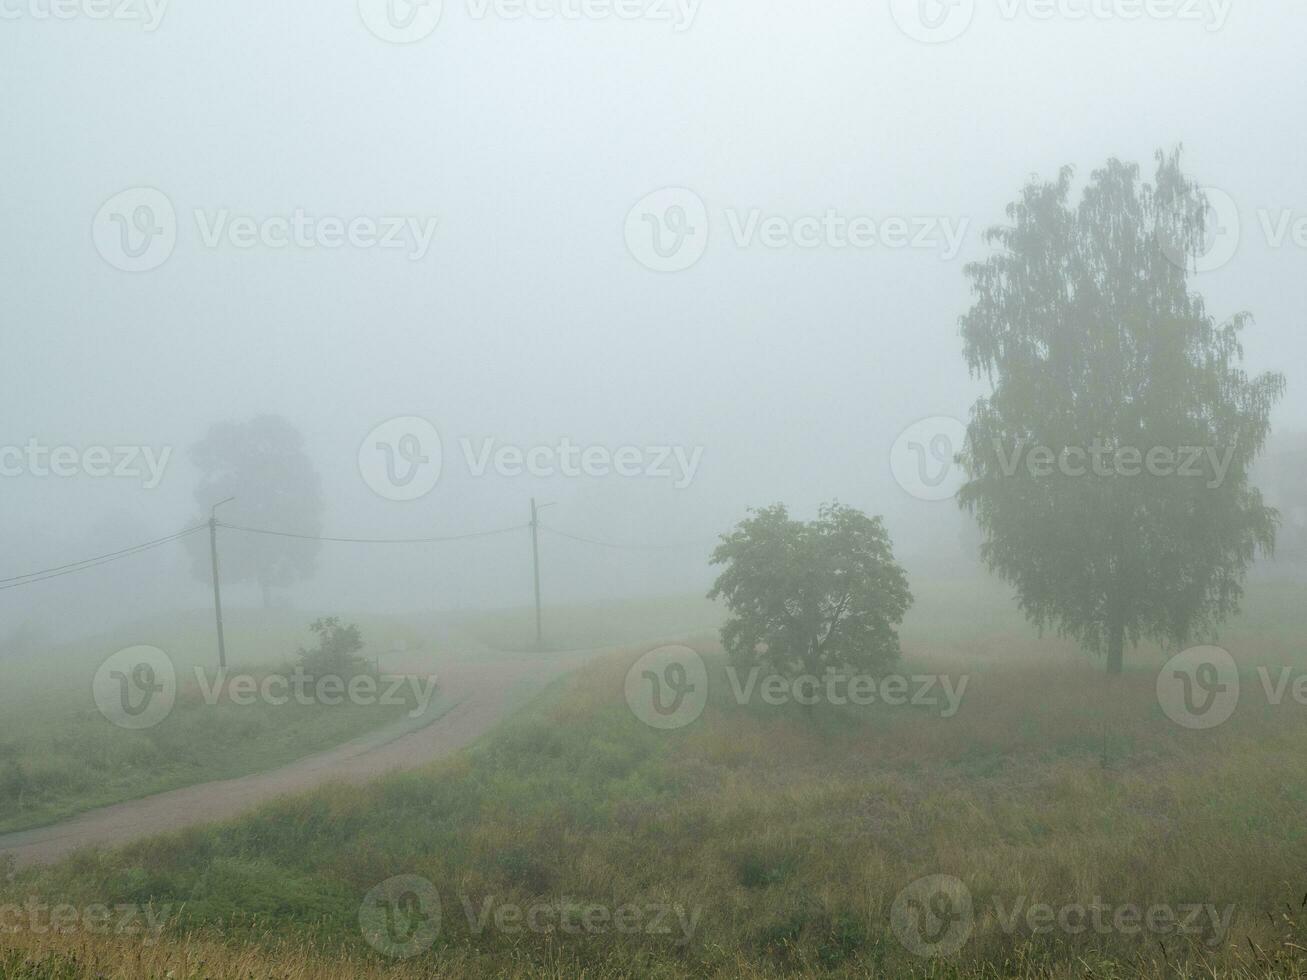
[
  {"x": 535, "y": 564},
  {"x": 217, "y": 589}
]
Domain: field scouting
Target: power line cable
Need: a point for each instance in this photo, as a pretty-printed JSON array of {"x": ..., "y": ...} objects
[
  {"x": 341, "y": 540},
  {"x": 616, "y": 546},
  {"x": 45, "y": 574},
  {"x": 112, "y": 554},
  {"x": 58, "y": 571}
]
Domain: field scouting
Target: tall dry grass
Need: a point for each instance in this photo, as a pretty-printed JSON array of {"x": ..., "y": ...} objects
[{"x": 790, "y": 835}]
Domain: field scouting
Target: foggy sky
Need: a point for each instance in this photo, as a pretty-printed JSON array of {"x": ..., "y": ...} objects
[{"x": 529, "y": 320}]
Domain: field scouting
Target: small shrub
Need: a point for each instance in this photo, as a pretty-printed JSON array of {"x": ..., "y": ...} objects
[{"x": 337, "y": 649}]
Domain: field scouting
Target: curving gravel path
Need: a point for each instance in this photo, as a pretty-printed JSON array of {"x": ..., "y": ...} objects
[{"x": 472, "y": 699}]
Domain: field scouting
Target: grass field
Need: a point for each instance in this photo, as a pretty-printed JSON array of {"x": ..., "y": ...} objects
[
  {"x": 766, "y": 841},
  {"x": 59, "y": 755}
]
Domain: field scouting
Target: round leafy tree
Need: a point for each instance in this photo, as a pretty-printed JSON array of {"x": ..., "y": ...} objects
[{"x": 805, "y": 596}]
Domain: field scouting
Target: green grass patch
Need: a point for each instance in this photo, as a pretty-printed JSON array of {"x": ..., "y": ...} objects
[{"x": 783, "y": 837}]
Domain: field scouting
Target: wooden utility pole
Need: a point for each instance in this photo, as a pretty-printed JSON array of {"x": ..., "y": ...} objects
[
  {"x": 217, "y": 588},
  {"x": 535, "y": 565}
]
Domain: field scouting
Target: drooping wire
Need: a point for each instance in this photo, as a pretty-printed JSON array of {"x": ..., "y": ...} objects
[
  {"x": 45, "y": 574},
  {"x": 341, "y": 540},
  {"x": 618, "y": 546},
  {"x": 57, "y": 571}
]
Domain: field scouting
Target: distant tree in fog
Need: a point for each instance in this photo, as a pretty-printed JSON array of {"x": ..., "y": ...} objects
[
  {"x": 1282, "y": 472},
  {"x": 263, "y": 465},
  {"x": 804, "y": 596},
  {"x": 1107, "y": 373}
]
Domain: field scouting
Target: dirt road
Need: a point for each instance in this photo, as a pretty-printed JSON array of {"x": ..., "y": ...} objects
[{"x": 475, "y": 696}]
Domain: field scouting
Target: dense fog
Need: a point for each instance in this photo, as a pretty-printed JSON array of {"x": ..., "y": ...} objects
[{"x": 442, "y": 229}]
